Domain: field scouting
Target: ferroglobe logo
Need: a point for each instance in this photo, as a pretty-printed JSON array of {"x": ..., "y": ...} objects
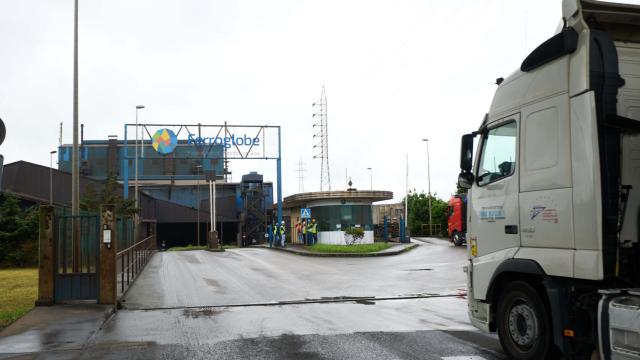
[
  {"x": 164, "y": 141},
  {"x": 226, "y": 141}
]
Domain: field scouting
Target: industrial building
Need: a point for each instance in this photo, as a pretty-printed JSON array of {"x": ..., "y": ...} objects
[
  {"x": 176, "y": 182},
  {"x": 335, "y": 211}
]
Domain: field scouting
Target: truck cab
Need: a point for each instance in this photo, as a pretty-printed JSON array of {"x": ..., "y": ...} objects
[
  {"x": 457, "y": 219},
  {"x": 554, "y": 192}
]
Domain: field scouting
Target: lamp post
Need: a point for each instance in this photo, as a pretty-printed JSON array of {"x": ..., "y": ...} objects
[
  {"x": 75, "y": 155},
  {"x": 370, "y": 177},
  {"x": 138, "y": 107},
  {"x": 429, "y": 183},
  {"x": 51, "y": 176},
  {"x": 137, "y": 215}
]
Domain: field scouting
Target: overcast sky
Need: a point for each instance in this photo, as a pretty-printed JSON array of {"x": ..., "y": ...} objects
[{"x": 395, "y": 72}]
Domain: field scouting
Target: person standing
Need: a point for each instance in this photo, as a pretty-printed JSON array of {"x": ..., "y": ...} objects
[
  {"x": 276, "y": 232},
  {"x": 298, "y": 230},
  {"x": 282, "y": 234},
  {"x": 314, "y": 231},
  {"x": 303, "y": 234}
]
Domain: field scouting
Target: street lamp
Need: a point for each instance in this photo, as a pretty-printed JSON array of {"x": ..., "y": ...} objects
[
  {"x": 370, "y": 177},
  {"x": 138, "y": 107},
  {"x": 137, "y": 215},
  {"x": 429, "y": 181},
  {"x": 51, "y": 176}
]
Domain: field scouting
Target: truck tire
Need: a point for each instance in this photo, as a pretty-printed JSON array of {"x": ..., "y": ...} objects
[
  {"x": 523, "y": 323},
  {"x": 456, "y": 238}
]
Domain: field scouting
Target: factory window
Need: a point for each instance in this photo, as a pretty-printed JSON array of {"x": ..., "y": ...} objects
[{"x": 329, "y": 217}]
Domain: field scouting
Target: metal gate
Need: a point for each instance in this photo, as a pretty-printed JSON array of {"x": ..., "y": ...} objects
[{"x": 78, "y": 282}]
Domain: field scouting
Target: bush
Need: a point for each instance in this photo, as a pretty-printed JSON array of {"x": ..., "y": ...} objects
[
  {"x": 18, "y": 233},
  {"x": 353, "y": 234}
]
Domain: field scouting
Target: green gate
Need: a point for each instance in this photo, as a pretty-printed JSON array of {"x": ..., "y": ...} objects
[{"x": 76, "y": 281}]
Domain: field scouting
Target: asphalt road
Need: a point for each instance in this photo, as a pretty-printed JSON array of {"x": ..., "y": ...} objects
[
  {"x": 265, "y": 304},
  {"x": 253, "y": 275}
]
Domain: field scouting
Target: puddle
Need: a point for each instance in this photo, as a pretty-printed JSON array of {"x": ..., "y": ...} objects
[{"x": 198, "y": 313}]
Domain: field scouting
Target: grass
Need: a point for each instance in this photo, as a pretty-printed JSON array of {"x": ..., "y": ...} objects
[
  {"x": 187, "y": 248},
  {"x": 193, "y": 247},
  {"x": 18, "y": 293},
  {"x": 359, "y": 248}
]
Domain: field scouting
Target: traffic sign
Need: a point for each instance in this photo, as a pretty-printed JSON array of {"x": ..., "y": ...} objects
[
  {"x": 3, "y": 131},
  {"x": 305, "y": 213}
]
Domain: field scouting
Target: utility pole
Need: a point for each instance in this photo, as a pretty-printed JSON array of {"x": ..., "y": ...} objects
[
  {"x": 75, "y": 155},
  {"x": 429, "y": 184},
  {"x": 300, "y": 169},
  {"x": 406, "y": 198},
  {"x": 370, "y": 177},
  {"x": 322, "y": 137}
]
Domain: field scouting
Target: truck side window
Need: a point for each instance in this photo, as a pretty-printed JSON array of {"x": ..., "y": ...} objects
[{"x": 498, "y": 157}]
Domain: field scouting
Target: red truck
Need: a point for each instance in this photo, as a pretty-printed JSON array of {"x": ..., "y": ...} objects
[{"x": 457, "y": 219}]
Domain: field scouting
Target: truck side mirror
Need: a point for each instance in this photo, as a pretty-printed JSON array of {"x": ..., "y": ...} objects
[
  {"x": 466, "y": 153},
  {"x": 465, "y": 180}
]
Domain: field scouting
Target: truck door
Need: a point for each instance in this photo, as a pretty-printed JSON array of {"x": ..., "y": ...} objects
[{"x": 493, "y": 208}]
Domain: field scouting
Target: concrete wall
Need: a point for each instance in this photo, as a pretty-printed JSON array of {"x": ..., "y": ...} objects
[{"x": 337, "y": 237}]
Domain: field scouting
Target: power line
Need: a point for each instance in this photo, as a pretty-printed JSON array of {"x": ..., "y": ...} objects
[{"x": 321, "y": 135}]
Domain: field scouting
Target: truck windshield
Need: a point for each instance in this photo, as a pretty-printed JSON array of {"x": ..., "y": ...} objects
[{"x": 498, "y": 157}]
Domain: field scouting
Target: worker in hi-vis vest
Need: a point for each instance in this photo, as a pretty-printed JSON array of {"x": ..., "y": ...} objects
[
  {"x": 282, "y": 233},
  {"x": 275, "y": 232},
  {"x": 313, "y": 232}
]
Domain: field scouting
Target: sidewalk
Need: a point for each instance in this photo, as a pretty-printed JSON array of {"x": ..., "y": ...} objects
[
  {"x": 395, "y": 249},
  {"x": 50, "y": 328}
]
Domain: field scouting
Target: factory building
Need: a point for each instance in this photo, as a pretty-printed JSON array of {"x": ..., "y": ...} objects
[{"x": 181, "y": 177}]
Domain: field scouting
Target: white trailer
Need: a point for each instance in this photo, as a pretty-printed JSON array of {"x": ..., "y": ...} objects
[{"x": 553, "y": 223}]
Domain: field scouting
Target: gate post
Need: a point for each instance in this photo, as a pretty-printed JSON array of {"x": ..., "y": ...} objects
[
  {"x": 107, "y": 292},
  {"x": 46, "y": 261}
]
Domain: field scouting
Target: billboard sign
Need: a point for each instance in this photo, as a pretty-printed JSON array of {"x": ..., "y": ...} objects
[
  {"x": 164, "y": 141},
  {"x": 233, "y": 141}
]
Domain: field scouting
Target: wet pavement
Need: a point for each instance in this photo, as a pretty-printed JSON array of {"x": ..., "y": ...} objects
[
  {"x": 262, "y": 304},
  {"x": 58, "y": 327},
  {"x": 254, "y": 275}
]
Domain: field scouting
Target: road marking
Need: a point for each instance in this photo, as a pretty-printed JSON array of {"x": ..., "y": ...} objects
[{"x": 470, "y": 357}]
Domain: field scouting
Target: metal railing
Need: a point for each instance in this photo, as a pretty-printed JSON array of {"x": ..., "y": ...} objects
[{"x": 132, "y": 260}]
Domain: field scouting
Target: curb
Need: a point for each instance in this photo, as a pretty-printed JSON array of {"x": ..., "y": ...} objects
[{"x": 318, "y": 254}]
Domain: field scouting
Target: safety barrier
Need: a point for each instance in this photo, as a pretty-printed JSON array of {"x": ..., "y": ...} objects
[{"x": 132, "y": 260}]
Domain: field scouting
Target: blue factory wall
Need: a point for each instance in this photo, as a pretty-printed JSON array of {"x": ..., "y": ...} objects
[
  {"x": 98, "y": 156},
  {"x": 181, "y": 164}
]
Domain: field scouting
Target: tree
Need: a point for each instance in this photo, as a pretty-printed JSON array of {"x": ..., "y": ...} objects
[
  {"x": 110, "y": 194},
  {"x": 460, "y": 190},
  {"x": 18, "y": 233},
  {"x": 418, "y": 204}
]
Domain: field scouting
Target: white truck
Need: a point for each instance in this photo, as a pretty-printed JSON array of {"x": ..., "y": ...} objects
[{"x": 553, "y": 223}]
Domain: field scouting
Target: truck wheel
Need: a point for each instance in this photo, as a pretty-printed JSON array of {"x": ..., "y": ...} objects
[
  {"x": 456, "y": 238},
  {"x": 523, "y": 323}
]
